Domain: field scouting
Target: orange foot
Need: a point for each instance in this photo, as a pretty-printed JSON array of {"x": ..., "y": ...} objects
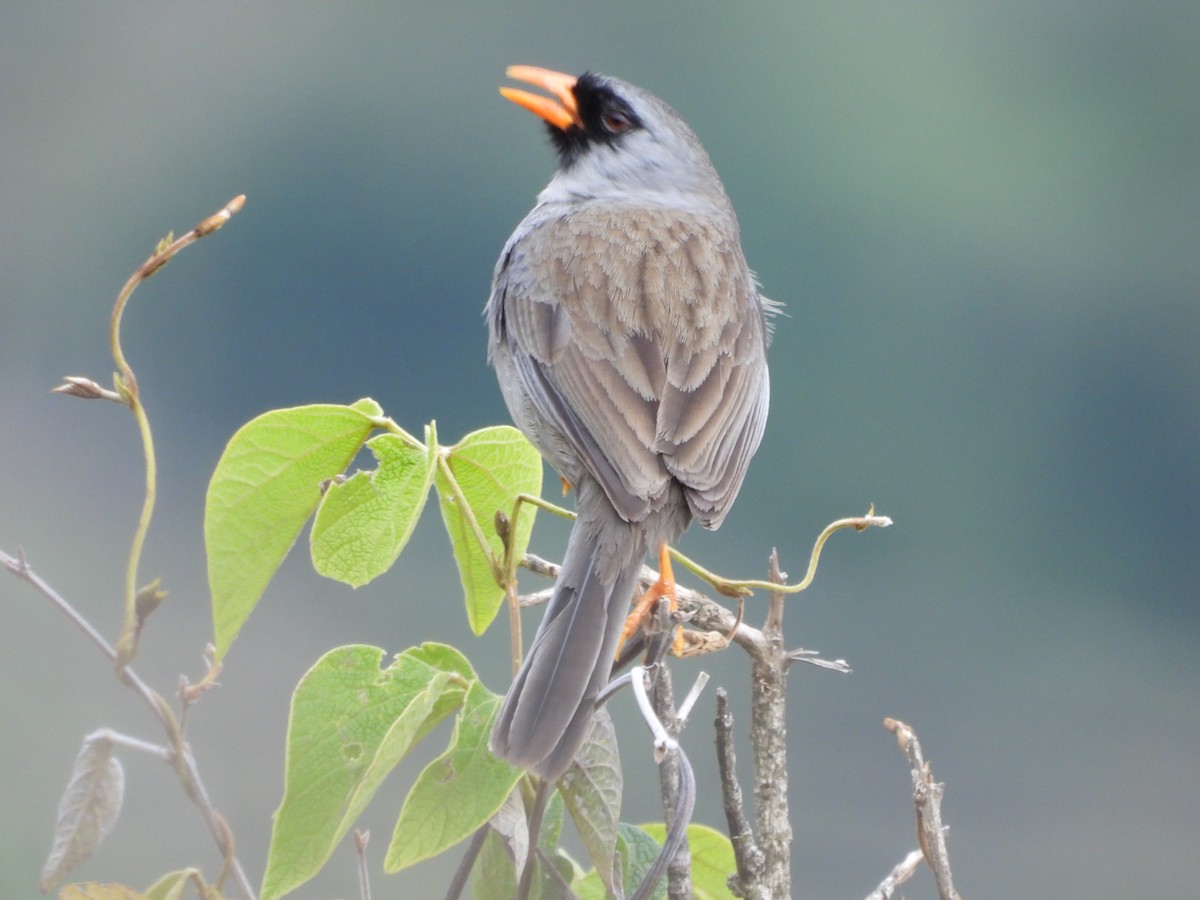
[{"x": 664, "y": 587}]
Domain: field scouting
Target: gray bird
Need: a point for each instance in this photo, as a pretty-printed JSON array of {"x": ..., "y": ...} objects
[{"x": 629, "y": 339}]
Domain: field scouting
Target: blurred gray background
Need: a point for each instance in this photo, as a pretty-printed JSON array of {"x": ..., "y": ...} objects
[{"x": 984, "y": 220}]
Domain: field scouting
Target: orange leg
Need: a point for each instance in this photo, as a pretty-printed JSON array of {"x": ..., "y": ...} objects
[{"x": 664, "y": 587}]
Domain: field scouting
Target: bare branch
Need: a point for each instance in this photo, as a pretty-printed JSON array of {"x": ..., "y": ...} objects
[
  {"x": 179, "y": 753},
  {"x": 749, "y": 858},
  {"x": 540, "y": 566},
  {"x": 927, "y": 797},
  {"x": 679, "y": 870},
  {"x": 19, "y": 566},
  {"x": 685, "y": 708},
  {"x": 810, "y": 657},
  {"x": 663, "y": 742},
  {"x": 537, "y": 598},
  {"x": 904, "y": 870},
  {"x": 768, "y": 740},
  {"x": 765, "y": 868},
  {"x": 773, "y": 628}
]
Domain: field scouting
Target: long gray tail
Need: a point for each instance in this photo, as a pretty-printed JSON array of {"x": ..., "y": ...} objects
[{"x": 545, "y": 715}]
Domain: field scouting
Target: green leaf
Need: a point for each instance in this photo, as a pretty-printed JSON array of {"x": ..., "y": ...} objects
[
  {"x": 367, "y": 407},
  {"x": 174, "y": 886},
  {"x": 591, "y": 789},
  {"x": 638, "y": 851},
  {"x": 552, "y": 822},
  {"x": 506, "y": 848},
  {"x": 351, "y": 723},
  {"x": 487, "y": 469},
  {"x": 458, "y": 792},
  {"x": 712, "y": 859},
  {"x": 363, "y": 523},
  {"x": 443, "y": 658},
  {"x": 265, "y": 487},
  {"x": 588, "y": 886},
  {"x": 637, "y": 854},
  {"x": 494, "y": 876}
]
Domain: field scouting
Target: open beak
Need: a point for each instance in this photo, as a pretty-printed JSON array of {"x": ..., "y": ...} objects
[{"x": 562, "y": 112}]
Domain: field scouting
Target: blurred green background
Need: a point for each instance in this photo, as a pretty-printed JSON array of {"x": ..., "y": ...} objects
[{"x": 984, "y": 220}]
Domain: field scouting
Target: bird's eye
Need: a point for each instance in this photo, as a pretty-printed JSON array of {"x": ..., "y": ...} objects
[{"x": 616, "y": 121}]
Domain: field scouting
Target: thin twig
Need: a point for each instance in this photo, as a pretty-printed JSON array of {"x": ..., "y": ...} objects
[
  {"x": 773, "y": 627},
  {"x": 467, "y": 863},
  {"x": 127, "y": 390},
  {"x": 137, "y": 604},
  {"x": 733, "y": 588},
  {"x": 506, "y": 528},
  {"x": 361, "y": 839},
  {"x": 537, "y": 598},
  {"x": 927, "y": 797},
  {"x": 541, "y": 800},
  {"x": 745, "y": 851},
  {"x": 679, "y": 867},
  {"x": 180, "y": 755},
  {"x": 810, "y": 656},
  {"x": 20, "y": 567},
  {"x": 109, "y": 736},
  {"x": 539, "y": 566},
  {"x": 516, "y": 642},
  {"x": 685, "y": 708},
  {"x": 663, "y": 742},
  {"x": 904, "y": 870}
]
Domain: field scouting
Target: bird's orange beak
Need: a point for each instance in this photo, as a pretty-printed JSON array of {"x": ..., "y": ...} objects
[{"x": 563, "y": 113}]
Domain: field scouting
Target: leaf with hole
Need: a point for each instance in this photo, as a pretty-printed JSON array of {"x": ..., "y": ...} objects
[
  {"x": 364, "y": 522},
  {"x": 351, "y": 723}
]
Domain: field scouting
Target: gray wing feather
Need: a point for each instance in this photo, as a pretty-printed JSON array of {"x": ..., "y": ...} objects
[{"x": 648, "y": 369}]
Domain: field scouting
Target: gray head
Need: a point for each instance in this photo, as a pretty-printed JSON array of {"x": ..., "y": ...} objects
[{"x": 616, "y": 141}]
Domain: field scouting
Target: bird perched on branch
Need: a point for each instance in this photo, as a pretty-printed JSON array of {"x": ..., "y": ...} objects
[{"x": 629, "y": 339}]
